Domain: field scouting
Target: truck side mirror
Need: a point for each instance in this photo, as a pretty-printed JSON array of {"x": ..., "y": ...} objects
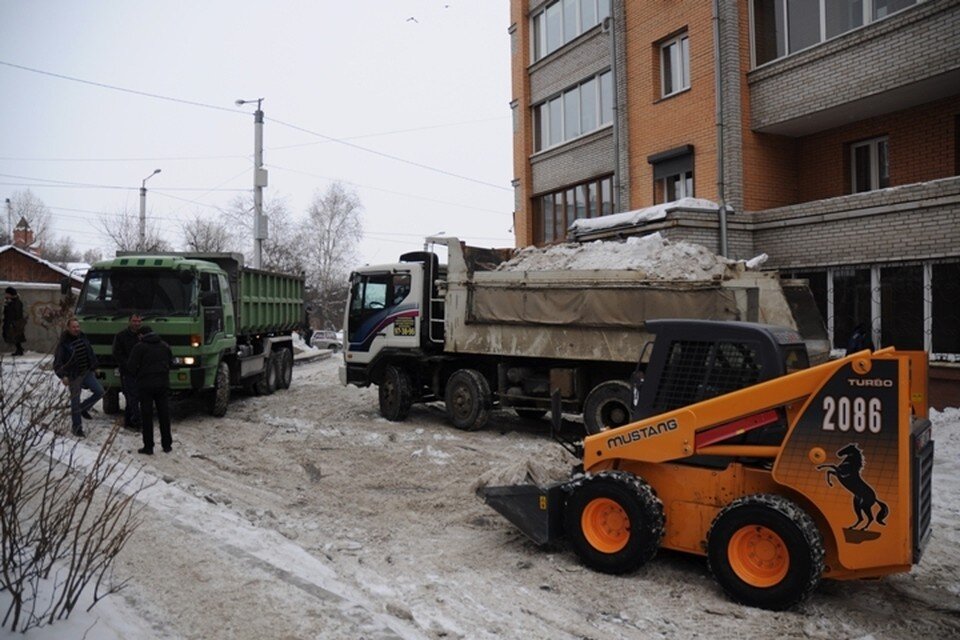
[{"x": 65, "y": 286}]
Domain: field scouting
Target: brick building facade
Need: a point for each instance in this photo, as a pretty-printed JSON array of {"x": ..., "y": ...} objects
[{"x": 829, "y": 132}]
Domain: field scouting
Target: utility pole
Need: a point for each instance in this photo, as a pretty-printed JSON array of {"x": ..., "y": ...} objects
[
  {"x": 143, "y": 210},
  {"x": 259, "y": 182},
  {"x": 9, "y": 221}
]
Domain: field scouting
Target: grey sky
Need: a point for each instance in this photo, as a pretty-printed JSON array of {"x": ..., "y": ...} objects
[{"x": 433, "y": 91}]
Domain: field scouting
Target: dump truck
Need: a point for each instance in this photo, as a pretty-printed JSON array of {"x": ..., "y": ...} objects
[
  {"x": 780, "y": 474},
  {"x": 479, "y": 337},
  {"x": 227, "y": 325}
]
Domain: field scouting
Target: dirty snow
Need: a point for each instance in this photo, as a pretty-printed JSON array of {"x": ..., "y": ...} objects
[
  {"x": 653, "y": 255},
  {"x": 306, "y": 515}
]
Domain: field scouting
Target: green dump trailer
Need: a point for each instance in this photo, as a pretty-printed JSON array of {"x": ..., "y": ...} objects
[{"x": 227, "y": 325}]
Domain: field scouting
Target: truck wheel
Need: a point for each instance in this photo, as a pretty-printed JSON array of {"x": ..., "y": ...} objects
[
  {"x": 765, "y": 551},
  {"x": 220, "y": 395},
  {"x": 396, "y": 394},
  {"x": 468, "y": 399},
  {"x": 111, "y": 402},
  {"x": 607, "y": 406},
  {"x": 614, "y": 521},
  {"x": 285, "y": 369},
  {"x": 267, "y": 383}
]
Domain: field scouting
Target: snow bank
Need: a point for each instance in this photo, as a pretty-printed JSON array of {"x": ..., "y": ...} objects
[
  {"x": 647, "y": 214},
  {"x": 657, "y": 257}
]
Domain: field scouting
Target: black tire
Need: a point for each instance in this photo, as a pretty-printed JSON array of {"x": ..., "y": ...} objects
[
  {"x": 285, "y": 369},
  {"x": 530, "y": 413},
  {"x": 267, "y": 383},
  {"x": 614, "y": 522},
  {"x": 468, "y": 399},
  {"x": 220, "y": 394},
  {"x": 395, "y": 393},
  {"x": 607, "y": 406},
  {"x": 765, "y": 551},
  {"x": 111, "y": 402}
]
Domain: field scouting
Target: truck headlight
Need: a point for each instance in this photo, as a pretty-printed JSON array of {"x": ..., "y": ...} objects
[{"x": 187, "y": 361}]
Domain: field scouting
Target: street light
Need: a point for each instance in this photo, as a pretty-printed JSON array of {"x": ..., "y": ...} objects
[
  {"x": 143, "y": 209},
  {"x": 259, "y": 182}
]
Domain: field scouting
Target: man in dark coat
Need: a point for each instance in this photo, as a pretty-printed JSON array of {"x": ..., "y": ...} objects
[
  {"x": 75, "y": 364},
  {"x": 123, "y": 344},
  {"x": 14, "y": 321},
  {"x": 150, "y": 364}
]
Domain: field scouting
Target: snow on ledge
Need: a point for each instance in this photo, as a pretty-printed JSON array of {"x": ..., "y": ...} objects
[{"x": 647, "y": 214}]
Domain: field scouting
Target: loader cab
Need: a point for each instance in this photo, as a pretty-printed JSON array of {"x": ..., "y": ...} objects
[{"x": 694, "y": 360}]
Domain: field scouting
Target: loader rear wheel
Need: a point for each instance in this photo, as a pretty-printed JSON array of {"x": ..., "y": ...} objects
[
  {"x": 396, "y": 394},
  {"x": 607, "y": 406},
  {"x": 285, "y": 369},
  {"x": 614, "y": 521},
  {"x": 468, "y": 399},
  {"x": 765, "y": 551}
]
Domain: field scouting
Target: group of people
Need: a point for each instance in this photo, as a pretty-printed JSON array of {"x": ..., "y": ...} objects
[{"x": 144, "y": 363}]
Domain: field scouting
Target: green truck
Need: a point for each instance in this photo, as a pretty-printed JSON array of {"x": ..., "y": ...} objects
[{"x": 227, "y": 325}]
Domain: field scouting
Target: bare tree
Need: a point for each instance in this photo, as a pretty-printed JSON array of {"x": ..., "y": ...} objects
[
  {"x": 203, "y": 234},
  {"x": 280, "y": 250},
  {"x": 334, "y": 231},
  {"x": 123, "y": 229},
  {"x": 60, "y": 251},
  {"x": 66, "y": 512},
  {"x": 24, "y": 204},
  {"x": 92, "y": 255}
]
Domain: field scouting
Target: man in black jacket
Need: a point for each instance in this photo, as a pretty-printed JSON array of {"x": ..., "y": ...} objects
[
  {"x": 123, "y": 344},
  {"x": 13, "y": 320},
  {"x": 75, "y": 364},
  {"x": 150, "y": 365}
]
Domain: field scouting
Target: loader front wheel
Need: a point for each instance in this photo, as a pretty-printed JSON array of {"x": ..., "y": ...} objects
[
  {"x": 468, "y": 399},
  {"x": 396, "y": 394},
  {"x": 614, "y": 521},
  {"x": 765, "y": 551},
  {"x": 607, "y": 406}
]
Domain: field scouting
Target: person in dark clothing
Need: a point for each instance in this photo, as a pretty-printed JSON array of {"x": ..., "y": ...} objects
[
  {"x": 150, "y": 364},
  {"x": 14, "y": 321},
  {"x": 859, "y": 340},
  {"x": 123, "y": 344},
  {"x": 75, "y": 363}
]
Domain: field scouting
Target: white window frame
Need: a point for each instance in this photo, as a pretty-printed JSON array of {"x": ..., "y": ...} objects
[
  {"x": 545, "y": 114},
  {"x": 868, "y": 18},
  {"x": 874, "y": 145},
  {"x": 681, "y": 72},
  {"x": 540, "y": 18},
  {"x": 682, "y": 188}
]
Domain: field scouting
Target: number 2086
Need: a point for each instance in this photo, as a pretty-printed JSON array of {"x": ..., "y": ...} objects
[{"x": 856, "y": 414}]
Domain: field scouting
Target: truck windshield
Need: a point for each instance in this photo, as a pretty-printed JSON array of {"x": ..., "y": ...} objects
[{"x": 157, "y": 292}]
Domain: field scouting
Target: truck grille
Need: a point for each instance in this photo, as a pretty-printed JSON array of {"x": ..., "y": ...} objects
[{"x": 921, "y": 446}]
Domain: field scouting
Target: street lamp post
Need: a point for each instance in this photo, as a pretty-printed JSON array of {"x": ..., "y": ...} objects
[
  {"x": 143, "y": 210},
  {"x": 259, "y": 182}
]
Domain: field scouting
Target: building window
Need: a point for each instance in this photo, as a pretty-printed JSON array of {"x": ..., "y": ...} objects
[
  {"x": 574, "y": 112},
  {"x": 562, "y": 21},
  {"x": 672, "y": 174},
  {"x": 556, "y": 211},
  {"x": 786, "y": 26},
  {"x": 869, "y": 165},
  {"x": 675, "y": 65}
]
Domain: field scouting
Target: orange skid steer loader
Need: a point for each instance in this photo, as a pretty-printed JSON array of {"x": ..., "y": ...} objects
[{"x": 779, "y": 474}]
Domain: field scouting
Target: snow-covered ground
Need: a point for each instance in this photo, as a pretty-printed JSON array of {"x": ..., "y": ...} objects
[{"x": 306, "y": 515}]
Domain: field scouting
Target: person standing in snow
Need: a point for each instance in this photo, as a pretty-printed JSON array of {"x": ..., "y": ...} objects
[
  {"x": 123, "y": 344},
  {"x": 75, "y": 363},
  {"x": 14, "y": 321},
  {"x": 150, "y": 365}
]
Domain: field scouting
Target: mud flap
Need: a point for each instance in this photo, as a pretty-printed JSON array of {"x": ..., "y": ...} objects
[{"x": 536, "y": 511}]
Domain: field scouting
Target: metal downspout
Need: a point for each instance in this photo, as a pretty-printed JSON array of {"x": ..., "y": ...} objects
[{"x": 718, "y": 75}]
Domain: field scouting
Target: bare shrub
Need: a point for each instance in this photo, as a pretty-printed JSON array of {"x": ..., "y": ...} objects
[{"x": 66, "y": 510}]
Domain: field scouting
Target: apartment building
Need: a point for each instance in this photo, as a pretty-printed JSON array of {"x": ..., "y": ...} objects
[{"x": 827, "y": 131}]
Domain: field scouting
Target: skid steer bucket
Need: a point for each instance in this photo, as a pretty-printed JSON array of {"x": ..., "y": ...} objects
[{"x": 535, "y": 510}]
